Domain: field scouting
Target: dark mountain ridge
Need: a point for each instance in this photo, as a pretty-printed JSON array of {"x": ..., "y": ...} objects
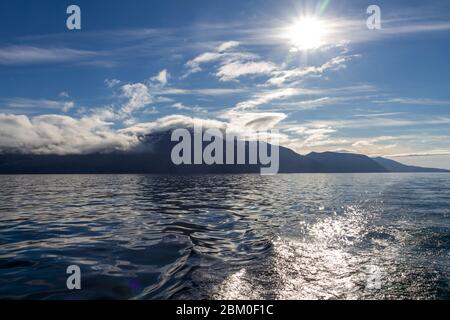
[{"x": 153, "y": 156}]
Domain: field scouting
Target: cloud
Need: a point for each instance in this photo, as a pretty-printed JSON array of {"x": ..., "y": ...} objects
[
  {"x": 377, "y": 122},
  {"x": 213, "y": 92},
  {"x": 56, "y": 134},
  {"x": 375, "y": 145},
  {"x": 268, "y": 96},
  {"x": 315, "y": 136},
  {"x": 171, "y": 122},
  {"x": 282, "y": 76},
  {"x": 227, "y": 46},
  {"x": 162, "y": 77},
  {"x": 229, "y": 62},
  {"x": 237, "y": 69},
  {"x": 245, "y": 125},
  {"x": 260, "y": 121},
  {"x": 37, "y": 104},
  {"x": 377, "y": 115},
  {"x": 331, "y": 135},
  {"x": 181, "y": 106},
  {"x": 232, "y": 65},
  {"x": 311, "y": 103},
  {"x": 415, "y": 101},
  {"x": 111, "y": 83},
  {"x": 326, "y": 138},
  {"x": 421, "y": 154},
  {"x": 372, "y": 141},
  {"x": 21, "y": 55},
  {"x": 194, "y": 64},
  {"x": 138, "y": 96},
  {"x": 417, "y": 28}
]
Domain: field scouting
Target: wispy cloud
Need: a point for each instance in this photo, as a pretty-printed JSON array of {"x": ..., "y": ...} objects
[
  {"x": 232, "y": 63},
  {"x": 377, "y": 115},
  {"x": 181, "y": 106},
  {"x": 18, "y": 55},
  {"x": 280, "y": 77},
  {"x": 36, "y": 104},
  {"x": 138, "y": 95},
  {"x": 415, "y": 101},
  {"x": 421, "y": 154},
  {"x": 162, "y": 77},
  {"x": 269, "y": 96},
  {"x": 212, "y": 92},
  {"x": 417, "y": 28},
  {"x": 111, "y": 83},
  {"x": 379, "y": 122},
  {"x": 238, "y": 68},
  {"x": 254, "y": 120}
]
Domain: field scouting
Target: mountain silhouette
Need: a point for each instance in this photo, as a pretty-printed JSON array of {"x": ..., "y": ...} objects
[
  {"x": 153, "y": 156},
  {"x": 394, "y": 166}
]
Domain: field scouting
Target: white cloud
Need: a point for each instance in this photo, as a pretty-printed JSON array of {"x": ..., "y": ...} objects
[
  {"x": 138, "y": 96},
  {"x": 231, "y": 65},
  {"x": 417, "y": 28},
  {"x": 227, "y": 46},
  {"x": 222, "y": 55},
  {"x": 255, "y": 120},
  {"x": 377, "y": 115},
  {"x": 172, "y": 122},
  {"x": 329, "y": 135},
  {"x": 153, "y": 110},
  {"x": 200, "y": 92},
  {"x": 181, "y": 106},
  {"x": 268, "y": 96},
  {"x": 415, "y": 101},
  {"x": 372, "y": 141},
  {"x": 315, "y": 136},
  {"x": 426, "y": 153},
  {"x": 162, "y": 77},
  {"x": 111, "y": 83},
  {"x": 56, "y": 134},
  {"x": 244, "y": 126},
  {"x": 382, "y": 122},
  {"x": 37, "y": 104},
  {"x": 237, "y": 69},
  {"x": 194, "y": 65},
  {"x": 280, "y": 77},
  {"x": 375, "y": 145},
  {"x": 17, "y": 55}
]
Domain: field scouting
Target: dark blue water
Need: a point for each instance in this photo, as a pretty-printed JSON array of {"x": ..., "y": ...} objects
[{"x": 381, "y": 236}]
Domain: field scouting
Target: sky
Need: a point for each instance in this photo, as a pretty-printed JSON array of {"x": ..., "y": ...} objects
[{"x": 311, "y": 70}]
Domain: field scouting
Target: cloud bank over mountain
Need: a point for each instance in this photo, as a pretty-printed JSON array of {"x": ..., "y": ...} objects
[{"x": 103, "y": 90}]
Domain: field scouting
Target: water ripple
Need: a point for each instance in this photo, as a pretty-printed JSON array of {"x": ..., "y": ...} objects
[{"x": 227, "y": 236}]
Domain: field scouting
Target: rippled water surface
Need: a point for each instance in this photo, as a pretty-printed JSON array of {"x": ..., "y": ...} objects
[{"x": 299, "y": 236}]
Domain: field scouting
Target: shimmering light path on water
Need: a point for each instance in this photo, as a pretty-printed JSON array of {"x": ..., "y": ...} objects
[{"x": 230, "y": 236}]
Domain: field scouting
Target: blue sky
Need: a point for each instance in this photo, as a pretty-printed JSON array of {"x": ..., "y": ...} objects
[{"x": 139, "y": 66}]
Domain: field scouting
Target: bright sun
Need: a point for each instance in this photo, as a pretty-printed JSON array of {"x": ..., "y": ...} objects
[{"x": 307, "y": 33}]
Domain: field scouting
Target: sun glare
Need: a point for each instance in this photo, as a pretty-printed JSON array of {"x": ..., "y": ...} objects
[{"x": 307, "y": 34}]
